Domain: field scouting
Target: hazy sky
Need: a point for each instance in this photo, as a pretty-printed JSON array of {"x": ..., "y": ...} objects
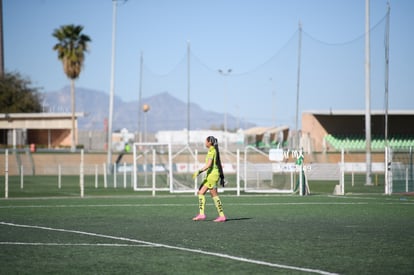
[{"x": 257, "y": 39}]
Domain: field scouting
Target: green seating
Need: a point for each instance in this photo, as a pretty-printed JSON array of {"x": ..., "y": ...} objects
[{"x": 357, "y": 143}]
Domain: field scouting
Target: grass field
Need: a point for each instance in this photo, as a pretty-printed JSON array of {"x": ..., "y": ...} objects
[{"x": 118, "y": 231}]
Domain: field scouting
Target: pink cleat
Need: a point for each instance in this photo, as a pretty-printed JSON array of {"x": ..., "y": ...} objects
[
  {"x": 199, "y": 217},
  {"x": 220, "y": 219}
]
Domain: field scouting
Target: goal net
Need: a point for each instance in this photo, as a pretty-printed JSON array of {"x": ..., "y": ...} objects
[
  {"x": 156, "y": 168},
  {"x": 152, "y": 169},
  {"x": 400, "y": 170},
  {"x": 262, "y": 175}
]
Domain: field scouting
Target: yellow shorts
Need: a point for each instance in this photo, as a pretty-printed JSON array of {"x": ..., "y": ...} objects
[{"x": 211, "y": 180}]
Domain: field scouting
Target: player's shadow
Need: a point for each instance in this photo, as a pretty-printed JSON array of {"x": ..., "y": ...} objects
[{"x": 237, "y": 219}]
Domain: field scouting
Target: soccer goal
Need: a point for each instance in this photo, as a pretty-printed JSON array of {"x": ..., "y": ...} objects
[
  {"x": 262, "y": 175},
  {"x": 185, "y": 163},
  {"x": 156, "y": 168},
  {"x": 153, "y": 168},
  {"x": 399, "y": 174}
]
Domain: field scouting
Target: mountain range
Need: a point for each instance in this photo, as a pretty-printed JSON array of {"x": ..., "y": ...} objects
[{"x": 166, "y": 112}]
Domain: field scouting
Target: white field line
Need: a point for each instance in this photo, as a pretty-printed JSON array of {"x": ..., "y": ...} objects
[
  {"x": 77, "y": 244},
  {"x": 220, "y": 255}
]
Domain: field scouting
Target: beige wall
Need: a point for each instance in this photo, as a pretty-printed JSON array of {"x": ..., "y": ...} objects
[
  {"x": 43, "y": 129},
  {"x": 54, "y": 137},
  {"x": 312, "y": 128}
]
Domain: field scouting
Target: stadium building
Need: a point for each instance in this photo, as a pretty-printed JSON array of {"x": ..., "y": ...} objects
[
  {"x": 48, "y": 129},
  {"x": 327, "y": 131}
]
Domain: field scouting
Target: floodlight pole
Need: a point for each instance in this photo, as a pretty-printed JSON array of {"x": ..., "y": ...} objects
[
  {"x": 298, "y": 87},
  {"x": 188, "y": 92},
  {"x": 1, "y": 40},
  {"x": 387, "y": 64},
  {"x": 140, "y": 97},
  {"x": 367, "y": 96},
  {"x": 112, "y": 88},
  {"x": 225, "y": 74}
]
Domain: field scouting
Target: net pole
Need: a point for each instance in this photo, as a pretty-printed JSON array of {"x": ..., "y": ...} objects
[
  {"x": 390, "y": 175},
  {"x": 406, "y": 180},
  {"x": 81, "y": 182},
  {"x": 300, "y": 180},
  {"x": 134, "y": 168},
  {"x": 105, "y": 176},
  {"x": 59, "y": 176},
  {"x": 153, "y": 172},
  {"x": 115, "y": 175},
  {"x": 21, "y": 177},
  {"x": 145, "y": 169},
  {"x": 245, "y": 169},
  {"x": 6, "y": 175},
  {"x": 238, "y": 173},
  {"x": 132, "y": 179},
  {"x": 170, "y": 167},
  {"x": 353, "y": 176},
  {"x": 195, "y": 168},
  {"x": 125, "y": 176},
  {"x": 96, "y": 176},
  {"x": 343, "y": 172},
  {"x": 386, "y": 170},
  {"x": 411, "y": 172}
]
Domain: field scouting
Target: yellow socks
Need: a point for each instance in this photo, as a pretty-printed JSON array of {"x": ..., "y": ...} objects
[
  {"x": 219, "y": 206},
  {"x": 217, "y": 203},
  {"x": 201, "y": 203}
]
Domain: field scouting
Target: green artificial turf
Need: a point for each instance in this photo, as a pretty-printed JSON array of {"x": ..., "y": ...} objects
[{"x": 134, "y": 233}]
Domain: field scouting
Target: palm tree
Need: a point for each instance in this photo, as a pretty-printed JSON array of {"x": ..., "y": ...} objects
[{"x": 71, "y": 48}]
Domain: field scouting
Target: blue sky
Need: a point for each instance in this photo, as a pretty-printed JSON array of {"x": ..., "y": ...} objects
[{"x": 257, "y": 39}]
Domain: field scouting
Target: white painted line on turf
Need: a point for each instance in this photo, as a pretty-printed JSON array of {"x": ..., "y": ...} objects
[
  {"x": 77, "y": 244},
  {"x": 98, "y": 205},
  {"x": 215, "y": 254}
]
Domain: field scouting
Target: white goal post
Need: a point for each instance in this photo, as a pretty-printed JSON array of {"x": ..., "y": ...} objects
[
  {"x": 399, "y": 170},
  {"x": 155, "y": 168},
  {"x": 152, "y": 167},
  {"x": 261, "y": 174}
]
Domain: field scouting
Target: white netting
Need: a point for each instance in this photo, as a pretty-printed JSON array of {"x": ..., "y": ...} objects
[
  {"x": 259, "y": 174},
  {"x": 152, "y": 168},
  {"x": 401, "y": 170}
]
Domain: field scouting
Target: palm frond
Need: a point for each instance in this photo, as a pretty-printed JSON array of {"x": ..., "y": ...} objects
[{"x": 71, "y": 48}]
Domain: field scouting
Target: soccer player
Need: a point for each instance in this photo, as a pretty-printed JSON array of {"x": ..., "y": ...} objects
[{"x": 214, "y": 175}]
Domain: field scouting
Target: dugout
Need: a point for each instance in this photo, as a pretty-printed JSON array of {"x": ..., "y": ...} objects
[
  {"x": 324, "y": 128},
  {"x": 42, "y": 129}
]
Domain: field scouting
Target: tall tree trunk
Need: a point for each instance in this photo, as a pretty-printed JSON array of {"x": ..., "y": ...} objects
[{"x": 72, "y": 96}]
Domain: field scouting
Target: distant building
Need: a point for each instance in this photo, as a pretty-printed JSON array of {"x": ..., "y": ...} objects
[
  {"x": 329, "y": 130},
  {"x": 45, "y": 129}
]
